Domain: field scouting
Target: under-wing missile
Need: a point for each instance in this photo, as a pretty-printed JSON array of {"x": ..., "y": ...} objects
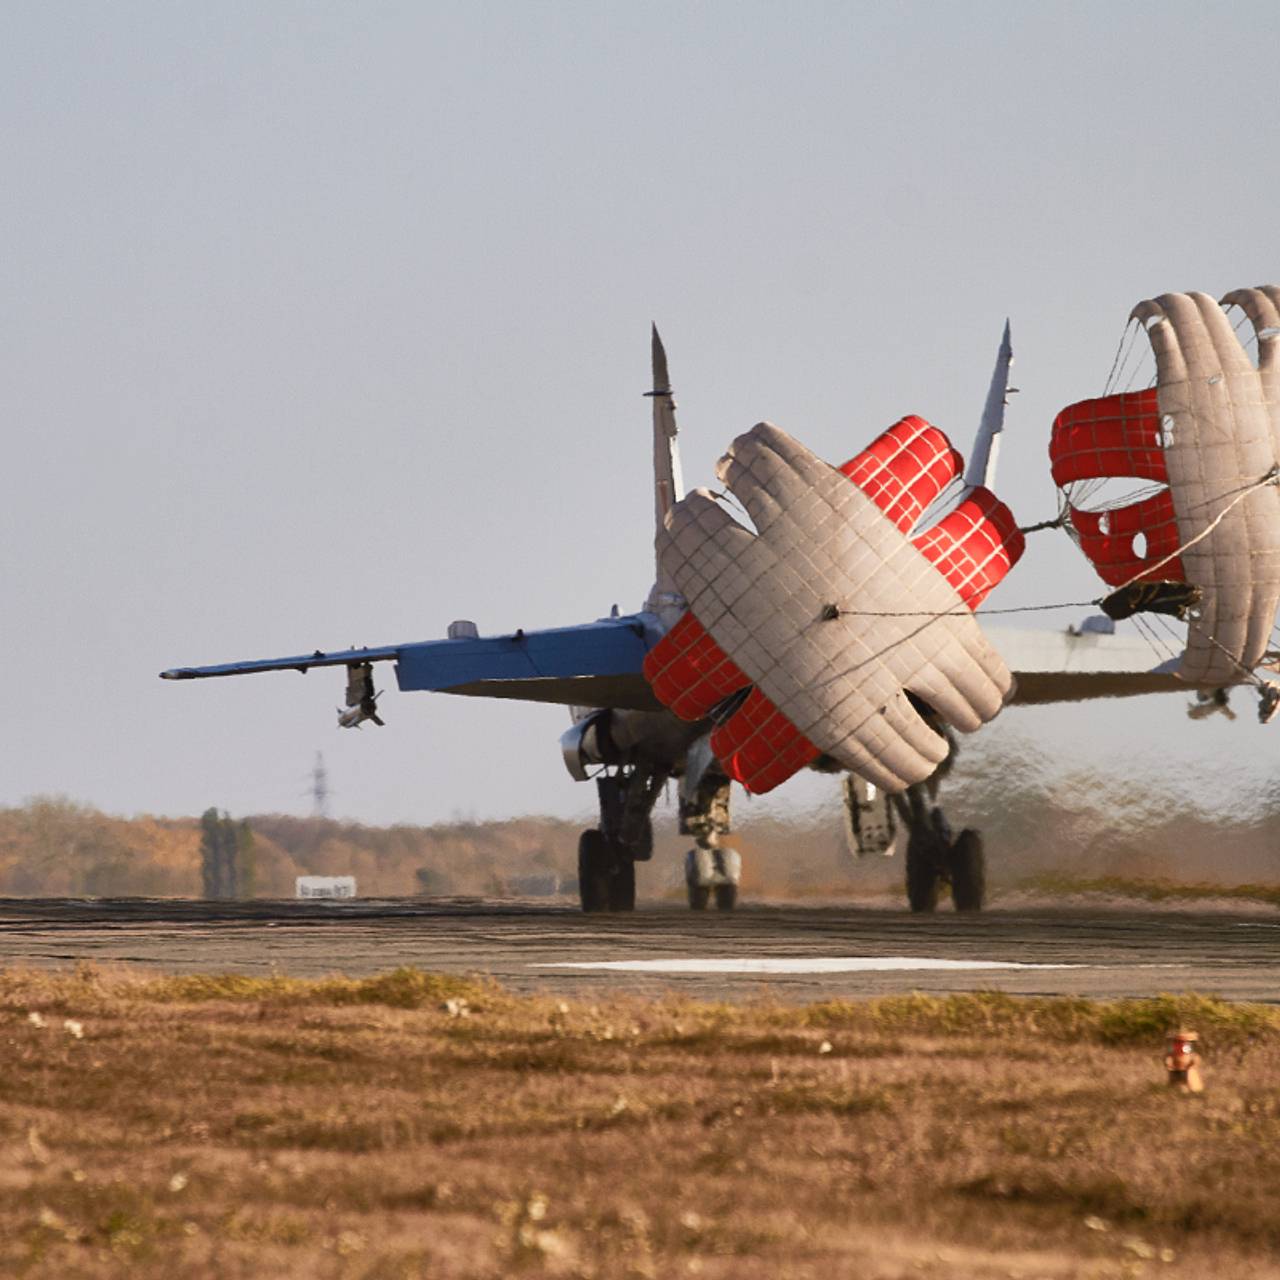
[
  {"x": 354, "y": 717},
  {"x": 362, "y": 701}
]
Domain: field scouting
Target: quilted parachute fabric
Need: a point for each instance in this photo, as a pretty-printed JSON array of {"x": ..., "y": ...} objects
[
  {"x": 832, "y": 612},
  {"x": 1206, "y": 439}
]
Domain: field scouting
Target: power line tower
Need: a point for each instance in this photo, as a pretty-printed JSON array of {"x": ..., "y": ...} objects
[{"x": 319, "y": 788}]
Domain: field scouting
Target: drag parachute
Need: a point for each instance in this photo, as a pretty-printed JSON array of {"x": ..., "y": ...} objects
[
  {"x": 1196, "y": 533},
  {"x": 838, "y": 628}
]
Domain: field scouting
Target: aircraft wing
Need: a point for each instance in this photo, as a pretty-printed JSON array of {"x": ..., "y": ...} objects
[
  {"x": 598, "y": 664},
  {"x": 594, "y": 665},
  {"x": 1082, "y": 663}
]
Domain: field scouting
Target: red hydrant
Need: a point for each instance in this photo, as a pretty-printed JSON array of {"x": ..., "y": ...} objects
[{"x": 1183, "y": 1061}]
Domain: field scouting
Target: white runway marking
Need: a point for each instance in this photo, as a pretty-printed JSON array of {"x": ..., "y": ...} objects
[{"x": 813, "y": 964}]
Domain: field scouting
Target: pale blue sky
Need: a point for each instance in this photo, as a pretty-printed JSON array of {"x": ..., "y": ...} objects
[{"x": 328, "y": 324}]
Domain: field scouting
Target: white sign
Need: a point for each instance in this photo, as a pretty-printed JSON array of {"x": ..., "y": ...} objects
[{"x": 325, "y": 887}]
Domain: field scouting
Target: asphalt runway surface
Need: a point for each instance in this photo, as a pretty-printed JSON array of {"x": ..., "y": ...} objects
[{"x": 784, "y": 952}]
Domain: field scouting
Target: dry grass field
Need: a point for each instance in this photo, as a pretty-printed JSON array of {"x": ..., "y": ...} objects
[{"x": 416, "y": 1126}]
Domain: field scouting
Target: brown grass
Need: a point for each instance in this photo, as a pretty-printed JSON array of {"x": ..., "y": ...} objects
[
  {"x": 1150, "y": 890},
  {"x": 416, "y": 1125}
]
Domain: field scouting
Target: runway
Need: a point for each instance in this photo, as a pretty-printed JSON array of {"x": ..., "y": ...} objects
[{"x": 783, "y": 952}]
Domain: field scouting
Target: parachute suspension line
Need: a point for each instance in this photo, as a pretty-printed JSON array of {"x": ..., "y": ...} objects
[
  {"x": 1174, "y": 643},
  {"x": 1148, "y": 633},
  {"x": 1082, "y": 491},
  {"x": 1250, "y": 344},
  {"x": 1129, "y": 375},
  {"x": 959, "y": 611},
  {"x": 941, "y": 506},
  {"x": 1130, "y": 335},
  {"x": 1141, "y": 628},
  {"x": 1170, "y": 631},
  {"x": 1064, "y": 518},
  {"x": 1056, "y": 523},
  {"x": 1124, "y": 375}
]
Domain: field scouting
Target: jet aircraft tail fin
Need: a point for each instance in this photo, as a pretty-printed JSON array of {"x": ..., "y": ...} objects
[
  {"x": 986, "y": 446},
  {"x": 668, "y": 483}
]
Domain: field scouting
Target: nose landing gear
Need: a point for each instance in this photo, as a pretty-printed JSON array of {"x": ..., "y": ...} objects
[{"x": 712, "y": 871}]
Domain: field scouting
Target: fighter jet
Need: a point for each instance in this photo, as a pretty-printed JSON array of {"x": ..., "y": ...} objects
[{"x": 626, "y": 741}]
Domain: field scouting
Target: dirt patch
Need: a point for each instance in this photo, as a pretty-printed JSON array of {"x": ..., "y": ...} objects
[{"x": 410, "y": 1125}]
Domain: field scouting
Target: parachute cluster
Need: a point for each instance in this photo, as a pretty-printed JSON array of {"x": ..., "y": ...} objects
[
  {"x": 842, "y": 626},
  {"x": 1200, "y": 537},
  {"x": 836, "y": 628}
]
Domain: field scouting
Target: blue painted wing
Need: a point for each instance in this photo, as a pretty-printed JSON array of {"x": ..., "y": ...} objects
[{"x": 594, "y": 665}]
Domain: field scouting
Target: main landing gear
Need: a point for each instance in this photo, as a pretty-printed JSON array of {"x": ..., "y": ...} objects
[
  {"x": 934, "y": 857},
  {"x": 607, "y": 855},
  {"x": 606, "y": 876}
]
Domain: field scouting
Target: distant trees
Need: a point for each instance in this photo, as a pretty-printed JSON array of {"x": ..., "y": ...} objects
[
  {"x": 227, "y": 862},
  {"x": 54, "y": 847}
]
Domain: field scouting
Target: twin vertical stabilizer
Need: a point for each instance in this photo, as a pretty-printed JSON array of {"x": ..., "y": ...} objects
[
  {"x": 986, "y": 446},
  {"x": 668, "y": 484},
  {"x": 665, "y": 599}
]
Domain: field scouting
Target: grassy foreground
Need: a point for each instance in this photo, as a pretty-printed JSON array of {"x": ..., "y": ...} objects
[{"x": 414, "y": 1125}]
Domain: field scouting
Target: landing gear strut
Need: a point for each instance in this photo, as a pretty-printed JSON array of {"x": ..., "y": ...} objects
[
  {"x": 607, "y": 855},
  {"x": 711, "y": 871},
  {"x": 934, "y": 857}
]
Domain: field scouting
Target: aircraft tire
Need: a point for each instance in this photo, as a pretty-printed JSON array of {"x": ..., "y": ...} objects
[
  {"x": 968, "y": 866},
  {"x": 699, "y": 897},
  {"x": 622, "y": 883},
  {"x": 726, "y": 897},
  {"x": 594, "y": 859},
  {"x": 924, "y": 877}
]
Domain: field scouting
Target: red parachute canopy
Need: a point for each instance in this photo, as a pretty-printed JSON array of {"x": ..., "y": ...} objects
[{"x": 1114, "y": 438}]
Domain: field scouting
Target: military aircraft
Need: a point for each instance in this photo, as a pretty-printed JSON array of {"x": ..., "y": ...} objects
[{"x": 625, "y": 740}]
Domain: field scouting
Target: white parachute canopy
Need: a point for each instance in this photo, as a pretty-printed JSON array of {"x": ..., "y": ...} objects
[{"x": 834, "y": 621}]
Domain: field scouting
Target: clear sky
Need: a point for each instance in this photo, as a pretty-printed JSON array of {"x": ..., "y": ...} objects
[{"x": 327, "y": 324}]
